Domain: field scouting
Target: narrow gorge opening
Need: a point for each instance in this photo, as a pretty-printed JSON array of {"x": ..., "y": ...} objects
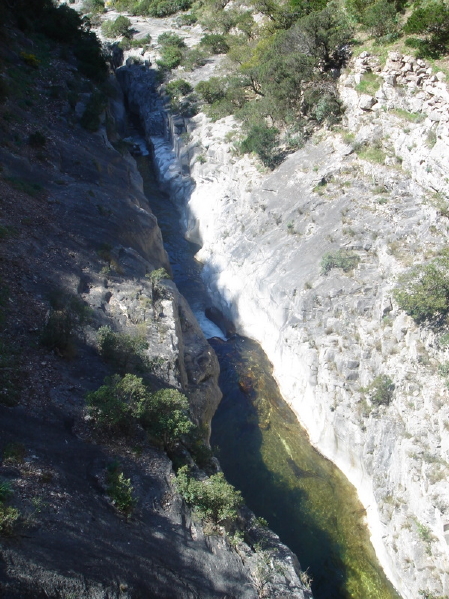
[{"x": 261, "y": 446}]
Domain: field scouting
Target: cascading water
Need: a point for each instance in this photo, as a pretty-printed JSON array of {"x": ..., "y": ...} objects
[{"x": 263, "y": 449}]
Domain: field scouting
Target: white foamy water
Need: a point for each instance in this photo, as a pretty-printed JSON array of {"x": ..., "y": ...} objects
[{"x": 208, "y": 327}]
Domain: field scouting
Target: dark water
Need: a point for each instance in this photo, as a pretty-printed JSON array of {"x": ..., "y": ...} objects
[{"x": 266, "y": 454}]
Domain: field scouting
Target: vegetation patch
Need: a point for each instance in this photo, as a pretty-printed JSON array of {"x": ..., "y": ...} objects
[
  {"x": 369, "y": 84},
  {"x": 119, "y": 489},
  {"x": 412, "y": 117},
  {"x": 213, "y": 500},
  {"x": 9, "y": 516},
  {"x": 423, "y": 291},
  {"x": 64, "y": 321},
  {"x": 381, "y": 390},
  {"x": 124, "y": 401},
  {"x": 343, "y": 259}
]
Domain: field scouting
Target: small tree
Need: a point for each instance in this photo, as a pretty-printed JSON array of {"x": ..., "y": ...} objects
[
  {"x": 340, "y": 259},
  {"x": 381, "y": 390},
  {"x": 423, "y": 291},
  {"x": 215, "y": 42},
  {"x": 115, "y": 403},
  {"x": 432, "y": 21},
  {"x": 213, "y": 500},
  {"x": 93, "y": 6},
  {"x": 165, "y": 415},
  {"x": 262, "y": 141},
  {"x": 118, "y": 28}
]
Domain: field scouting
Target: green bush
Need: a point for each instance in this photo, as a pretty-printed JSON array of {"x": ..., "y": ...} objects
[
  {"x": 120, "y": 27},
  {"x": 215, "y": 43},
  {"x": 119, "y": 489},
  {"x": 213, "y": 500},
  {"x": 67, "y": 315},
  {"x": 212, "y": 90},
  {"x": 143, "y": 42},
  {"x": 93, "y": 6},
  {"x": 171, "y": 39},
  {"x": 126, "y": 352},
  {"x": 432, "y": 21},
  {"x": 343, "y": 259},
  {"x": 171, "y": 57},
  {"x": 123, "y": 401},
  {"x": 164, "y": 415},
  {"x": 381, "y": 390},
  {"x": 158, "y": 275},
  {"x": 178, "y": 88},
  {"x": 194, "y": 58},
  {"x": 381, "y": 19},
  {"x": 262, "y": 140},
  {"x": 423, "y": 291},
  {"x": 116, "y": 403},
  {"x": 8, "y": 515}
]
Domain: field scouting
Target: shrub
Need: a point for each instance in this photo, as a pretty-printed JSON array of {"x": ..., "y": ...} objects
[
  {"x": 93, "y": 6},
  {"x": 194, "y": 58},
  {"x": 171, "y": 39},
  {"x": 343, "y": 259},
  {"x": 158, "y": 275},
  {"x": 261, "y": 140},
  {"x": 212, "y": 90},
  {"x": 114, "y": 405},
  {"x": 126, "y": 352},
  {"x": 171, "y": 57},
  {"x": 423, "y": 291},
  {"x": 381, "y": 18},
  {"x": 164, "y": 415},
  {"x": 186, "y": 20},
  {"x": 120, "y": 27},
  {"x": 381, "y": 390},
  {"x": 164, "y": 8},
  {"x": 121, "y": 401},
  {"x": 90, "y": 118},
  {"x": 178, "y": 88},
  {"x": 212, "y": 500},
  {"x": 67, "y": 315},
  {"x": 5, "y": 490},
  {"x": 8, "y": 515},
  {"x": 432, "y": 21},
  {"x": 215, "y": 43},
  {"x": 119, "y": 489},
  {"x": 30, "y": 60}
]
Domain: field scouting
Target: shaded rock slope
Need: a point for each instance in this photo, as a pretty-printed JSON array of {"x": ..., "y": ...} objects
[{"x": 78, "y": 237}]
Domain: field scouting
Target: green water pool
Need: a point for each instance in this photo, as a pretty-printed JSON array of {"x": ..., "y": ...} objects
[{"x": 306, "y": 500}]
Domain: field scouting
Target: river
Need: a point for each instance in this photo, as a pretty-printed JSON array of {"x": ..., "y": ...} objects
[{"x": 263, "y": 449}]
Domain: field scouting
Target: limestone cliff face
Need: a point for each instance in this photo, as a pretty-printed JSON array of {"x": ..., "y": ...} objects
[{"x": 263, "y": 238}]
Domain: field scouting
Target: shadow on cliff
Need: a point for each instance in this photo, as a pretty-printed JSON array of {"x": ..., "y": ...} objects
[{"x": 76, "y": 541}]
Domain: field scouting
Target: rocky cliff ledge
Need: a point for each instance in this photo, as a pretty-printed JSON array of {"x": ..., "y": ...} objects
[{"x": 376, "y": 192}]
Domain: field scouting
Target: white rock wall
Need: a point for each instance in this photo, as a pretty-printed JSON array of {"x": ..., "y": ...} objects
[{"x": 263, "y": 239}]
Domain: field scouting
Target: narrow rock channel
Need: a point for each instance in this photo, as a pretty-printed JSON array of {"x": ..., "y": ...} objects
[{"x": 263, "y": 449}]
